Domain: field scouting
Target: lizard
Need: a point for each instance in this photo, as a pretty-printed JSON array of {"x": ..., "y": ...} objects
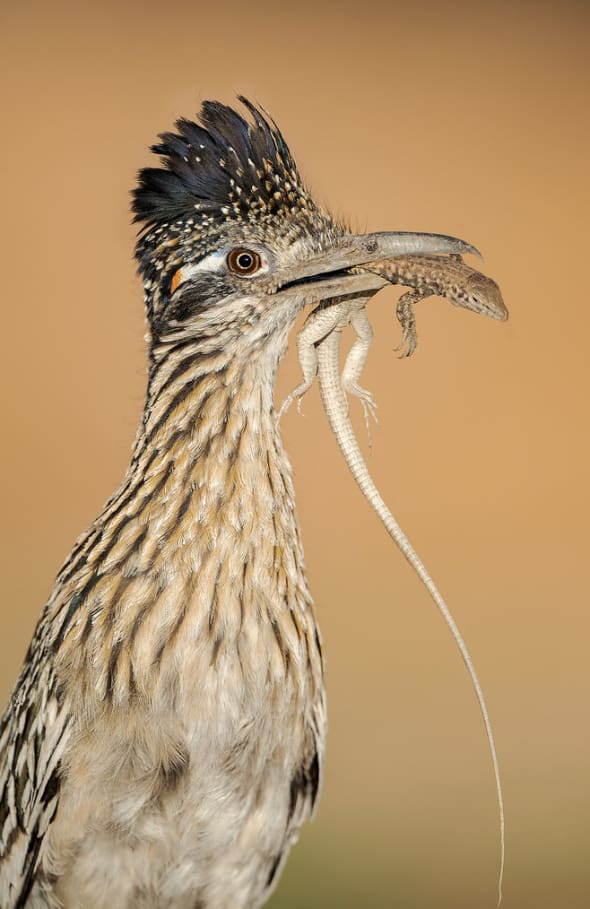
[{"x": 319, "y": 347}]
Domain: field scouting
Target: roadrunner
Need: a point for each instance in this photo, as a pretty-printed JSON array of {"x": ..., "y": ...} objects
[{"x": 164, "y": 742}]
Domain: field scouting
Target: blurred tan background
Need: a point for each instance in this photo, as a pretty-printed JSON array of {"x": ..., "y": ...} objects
[{"x": 463, "y": 119}]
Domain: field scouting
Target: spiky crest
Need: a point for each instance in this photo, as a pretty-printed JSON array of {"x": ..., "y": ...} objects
[{"x": 223, "y": 167}]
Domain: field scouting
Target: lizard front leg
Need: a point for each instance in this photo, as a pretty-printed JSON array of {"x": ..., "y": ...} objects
[{"x": 407, "y": 320}]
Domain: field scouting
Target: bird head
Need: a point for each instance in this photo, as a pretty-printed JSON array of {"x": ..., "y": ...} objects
[{"x": 232, "y": 238}]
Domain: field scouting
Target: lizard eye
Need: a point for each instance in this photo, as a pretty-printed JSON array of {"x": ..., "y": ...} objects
[{"x": 243, "y": 261}]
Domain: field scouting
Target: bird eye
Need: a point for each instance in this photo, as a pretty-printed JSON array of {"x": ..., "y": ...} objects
[{"x": 243, "y": 261}]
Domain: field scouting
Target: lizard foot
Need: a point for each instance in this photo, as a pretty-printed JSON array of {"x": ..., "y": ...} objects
[
  {"x": 296, "y": 395},
  {"x": 366, "y": 398}
]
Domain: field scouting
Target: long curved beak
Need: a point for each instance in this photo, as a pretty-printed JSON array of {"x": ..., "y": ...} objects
[{"x": 326, "y": 274}]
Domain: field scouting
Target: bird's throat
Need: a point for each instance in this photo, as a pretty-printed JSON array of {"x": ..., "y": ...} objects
[{"x": 203, "y": 533}]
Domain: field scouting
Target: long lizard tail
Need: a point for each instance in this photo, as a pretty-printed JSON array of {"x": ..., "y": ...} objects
[{"x": 336, "y": 408}]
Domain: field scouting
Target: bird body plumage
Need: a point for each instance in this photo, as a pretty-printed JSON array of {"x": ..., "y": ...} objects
[{"x": 164, "y": 741}]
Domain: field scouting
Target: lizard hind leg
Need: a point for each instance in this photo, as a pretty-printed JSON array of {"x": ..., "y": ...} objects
[
  {"x": 318, "y": 324},
  {"x": 354, "y": 365}
]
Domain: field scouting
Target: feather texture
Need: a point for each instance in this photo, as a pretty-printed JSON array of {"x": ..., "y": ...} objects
[{"x": 224, "y": 162}]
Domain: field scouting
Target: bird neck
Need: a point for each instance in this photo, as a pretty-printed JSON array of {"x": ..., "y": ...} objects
[
  {"x": 209, "y": 423},
  {"x": 200, "y": 543},
  {"x": 195, "y": 397}
]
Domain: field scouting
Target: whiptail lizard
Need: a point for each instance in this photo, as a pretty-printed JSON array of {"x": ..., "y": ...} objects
[{"x": 318, "y": 345}]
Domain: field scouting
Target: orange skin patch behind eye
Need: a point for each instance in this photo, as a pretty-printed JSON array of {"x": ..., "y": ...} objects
[{"x": 176, "y": 279}]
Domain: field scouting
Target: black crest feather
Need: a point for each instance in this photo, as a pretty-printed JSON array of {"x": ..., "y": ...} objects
[{"x": 225, "y": 165}]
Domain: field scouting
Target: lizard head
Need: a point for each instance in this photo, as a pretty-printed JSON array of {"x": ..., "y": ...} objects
[{"x": 481, "y": 294}]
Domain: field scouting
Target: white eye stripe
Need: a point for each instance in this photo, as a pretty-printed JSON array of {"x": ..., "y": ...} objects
[
  {"x": 216, "y": 262},
  {"x": 213, "y": 262}
]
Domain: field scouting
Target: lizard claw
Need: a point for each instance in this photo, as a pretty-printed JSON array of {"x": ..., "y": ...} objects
[{"x": 407, "y": 345}]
